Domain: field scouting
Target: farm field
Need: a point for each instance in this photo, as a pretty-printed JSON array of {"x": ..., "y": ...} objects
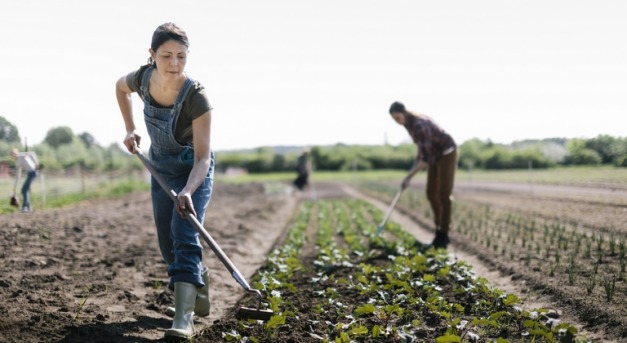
[
  {"x": 567, "y": 242},
  {"x": 92, "y": 272}
]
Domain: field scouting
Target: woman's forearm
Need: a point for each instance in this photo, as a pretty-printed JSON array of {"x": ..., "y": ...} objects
[
  {"x": 197, "y": 175},
  {"x": 123, "y": 95}
]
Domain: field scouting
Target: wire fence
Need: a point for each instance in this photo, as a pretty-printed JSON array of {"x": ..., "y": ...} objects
[{"x": 50, "y": 185}]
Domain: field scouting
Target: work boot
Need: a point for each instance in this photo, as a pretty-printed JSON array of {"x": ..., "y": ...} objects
[
  {"x": 202, "y": 299},
  {"x": 441, "y": 240},
  {"x": 184, "y": 303}
]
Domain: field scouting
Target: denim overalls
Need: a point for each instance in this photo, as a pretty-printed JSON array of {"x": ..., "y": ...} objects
[{"x": 178, "y": 239}]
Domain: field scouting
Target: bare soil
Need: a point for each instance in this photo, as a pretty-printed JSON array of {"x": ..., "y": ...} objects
[{"x": 93, "y": 272}]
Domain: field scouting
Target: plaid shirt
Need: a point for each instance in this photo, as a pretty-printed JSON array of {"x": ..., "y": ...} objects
[{"x": 432, "y": 141}]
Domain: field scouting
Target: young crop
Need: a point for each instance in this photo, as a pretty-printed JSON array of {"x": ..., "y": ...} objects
[
  {"x": 610, "y": 286},
  {"x": 588, "y": 251},
  {"x": 612, "y": 244},
  {"x": 571, "y": 269},
  {"x": 591, "y": 283},
  {"x": 388, "y": 287},
  {"x": 552, "y": 269}
]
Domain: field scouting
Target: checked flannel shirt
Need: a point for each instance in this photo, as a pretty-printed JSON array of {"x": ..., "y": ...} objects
[{"x": 433, "y": 142}]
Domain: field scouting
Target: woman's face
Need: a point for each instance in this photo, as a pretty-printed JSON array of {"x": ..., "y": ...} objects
[
  {"x": 398, "y": 117},
  {"x": 170, "y": 57}
]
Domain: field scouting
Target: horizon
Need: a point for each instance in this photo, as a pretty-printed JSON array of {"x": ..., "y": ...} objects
[{"x": 325, "y": 73}]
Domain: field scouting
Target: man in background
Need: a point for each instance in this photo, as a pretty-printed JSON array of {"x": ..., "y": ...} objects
[{"x": 29, "y": 163}]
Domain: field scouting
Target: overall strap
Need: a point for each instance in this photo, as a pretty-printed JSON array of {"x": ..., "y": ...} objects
[
  {"x": 145, "y": 83},
  {"x": 178, "y": 104},
  {"x": 183, "y": 93}
]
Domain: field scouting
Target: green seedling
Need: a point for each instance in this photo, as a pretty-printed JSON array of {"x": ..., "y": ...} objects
[
  {"x": 588, "y": 251},
  {"x": 612, "y": 243},
  {"x": 552, "y": 269},
  {"x": 591, "y": 283},
  {"x": 81, "y": 304},
  {"x": 610, "y": 286}
]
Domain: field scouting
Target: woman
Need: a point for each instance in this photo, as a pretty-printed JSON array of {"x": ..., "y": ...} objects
[
  {"x": 437, "y": 153},
  {"x": 178, "y": 120}
]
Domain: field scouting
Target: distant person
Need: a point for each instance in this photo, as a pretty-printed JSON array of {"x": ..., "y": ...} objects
[
  {"x": 302, "y": 170},
  {"x": 27, "y": 161},
  {"x": 437, "y": 153},
  {"x": 178, "y": 120}
]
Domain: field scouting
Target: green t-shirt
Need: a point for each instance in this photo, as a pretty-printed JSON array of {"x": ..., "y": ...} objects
[{"x": 194, "y": 105}]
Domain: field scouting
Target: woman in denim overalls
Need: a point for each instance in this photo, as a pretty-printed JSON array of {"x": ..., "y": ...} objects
[{"x": 187, "y": 167}]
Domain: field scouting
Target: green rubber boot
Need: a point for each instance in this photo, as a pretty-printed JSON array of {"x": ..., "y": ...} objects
[
  {"x": 184, "y": 303},
  {"x": 202, "y": 299}
]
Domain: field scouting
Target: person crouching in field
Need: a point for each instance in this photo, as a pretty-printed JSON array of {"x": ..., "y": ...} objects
[
  {"x": 437, "y": 153},
  {"x": 178, "y": 120},
  {"x": 27, "y": 161}
]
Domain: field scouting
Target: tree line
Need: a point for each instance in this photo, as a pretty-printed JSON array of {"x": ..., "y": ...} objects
[
  {"x": 62, "y": 149},
  {"x": 474, "y": 153}
]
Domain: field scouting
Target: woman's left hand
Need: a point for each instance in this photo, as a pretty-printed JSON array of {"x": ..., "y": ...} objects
[{"x": 185, "y": 203}]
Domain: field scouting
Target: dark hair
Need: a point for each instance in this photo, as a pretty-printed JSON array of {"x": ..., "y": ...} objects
[
  {"x": 164, "y": 33},
  {"x": 397, "y": 107}
]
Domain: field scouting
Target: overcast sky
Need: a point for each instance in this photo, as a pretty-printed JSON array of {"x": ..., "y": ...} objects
[{"x": 322, "y": 72}]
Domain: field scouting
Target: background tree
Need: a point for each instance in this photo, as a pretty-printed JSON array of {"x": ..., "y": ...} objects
[
  {"x": 59, "y": 136},
  {"x": 8, "y": 131},
  {"x": 579, "y": 154},
  {"x": 87, "y": 139}
]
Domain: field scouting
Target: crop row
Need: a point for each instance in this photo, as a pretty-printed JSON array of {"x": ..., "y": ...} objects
[
  {"x": 357, "y": 286},
  {"x": 594, "y": 261}
]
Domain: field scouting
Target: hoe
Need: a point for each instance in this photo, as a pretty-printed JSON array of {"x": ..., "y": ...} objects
[
  {"x": 242, "y": 312},
  {"x": 389, "y": 212}
]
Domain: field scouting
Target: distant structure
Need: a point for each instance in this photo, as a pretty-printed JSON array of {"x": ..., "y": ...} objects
[
  {"x": 4, "y": 169},
  {"x": 385, "y": 138}
]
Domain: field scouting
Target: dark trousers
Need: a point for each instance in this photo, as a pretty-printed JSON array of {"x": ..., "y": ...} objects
[
  {"x": 440, "y": 177},
  {"x": 301, "y": 181}
]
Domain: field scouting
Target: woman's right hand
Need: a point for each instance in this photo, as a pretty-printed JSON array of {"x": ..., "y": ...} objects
[{"x": 131, "y": 141}]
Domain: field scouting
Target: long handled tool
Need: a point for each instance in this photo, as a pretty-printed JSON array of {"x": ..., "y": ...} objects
[
  {"x": 389, "y": 212},
  {"x": 243, "y": 312}
]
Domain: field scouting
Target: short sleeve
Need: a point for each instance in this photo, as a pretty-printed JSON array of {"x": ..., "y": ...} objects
[
  {"x": 198, "y": 101},
  {"x": 134, "y": 79}
]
